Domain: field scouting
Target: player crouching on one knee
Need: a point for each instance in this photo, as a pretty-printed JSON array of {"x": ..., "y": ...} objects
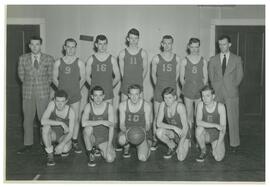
[
  {"x": 57, "y": 126},
  {"x": 98, "y": 123},
  {"x": 174, "y": 131},
  {"x": 135, "y": 112},
  {"x": 211, "y": 125}
]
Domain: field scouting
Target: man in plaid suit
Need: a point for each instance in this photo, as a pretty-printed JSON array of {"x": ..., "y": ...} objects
[{"x": 35, "y": 72}]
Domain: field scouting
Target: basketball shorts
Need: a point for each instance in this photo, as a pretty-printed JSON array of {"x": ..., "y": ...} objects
[{"x": 213, "y": 134}]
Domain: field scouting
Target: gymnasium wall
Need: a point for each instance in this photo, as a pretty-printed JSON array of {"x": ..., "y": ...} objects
[{"x": 153, "y": 22}]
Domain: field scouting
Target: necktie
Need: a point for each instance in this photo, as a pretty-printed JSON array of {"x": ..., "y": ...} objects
[
  {"x": 36, "y": 62},
  {"x": 224, "y": 64}
]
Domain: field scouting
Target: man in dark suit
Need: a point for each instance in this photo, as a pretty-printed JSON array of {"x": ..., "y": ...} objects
[
  {"x": 35, "y": 73},
  {"x": 226, "y": 74}
]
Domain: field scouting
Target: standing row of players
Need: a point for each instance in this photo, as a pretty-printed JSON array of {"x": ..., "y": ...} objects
[{"x": 69, "y": 74}]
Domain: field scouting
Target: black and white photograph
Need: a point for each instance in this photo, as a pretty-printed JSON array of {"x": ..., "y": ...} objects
[{"x": 135, "y": 93}]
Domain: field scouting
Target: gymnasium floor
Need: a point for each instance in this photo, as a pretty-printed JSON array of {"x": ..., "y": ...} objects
[{"x": 246, "y": 165}]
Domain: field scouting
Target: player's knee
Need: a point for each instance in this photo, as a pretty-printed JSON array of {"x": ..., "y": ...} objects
[
  {"x": 160, "y": 132},
  {"x": 87, "y": 131},
  {"x": 122, "y": 139},
  {"x": 67, "y": 147},
  {"x": 142, "y": 157},
  {"x": 110, "y": 158},
  {"x": 218, "y": 157}
]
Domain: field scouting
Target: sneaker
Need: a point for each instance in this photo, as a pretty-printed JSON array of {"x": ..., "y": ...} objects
[
  {"x": 126, "y": 153},
  {"x": 118, "y": 148},
  {"x": 169, "y": 154},
  {"x": 201, "y": 157},
  {"x": 154, "y": 146},
  {"x": 65, "y": 154},
  {"x": 25, "y": 149},
  {"x": 97, "y": 152},
  {"x": 50, "y": 159},
  {"x": 76, "y": 148},
  {"x": 91, "y": 161}
]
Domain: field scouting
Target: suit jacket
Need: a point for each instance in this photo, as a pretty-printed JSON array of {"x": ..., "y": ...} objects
[
  {"x": 226, "y": 86},
  {"x": 32, "y": 78}
]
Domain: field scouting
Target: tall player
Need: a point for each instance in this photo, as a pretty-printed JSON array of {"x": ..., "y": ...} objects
[
  {"x": 135, "y": 111},
  {"x": 101, "y": 67},
  {"x": 69, "y": 75},
  {"x": 193, "y": 76},
  {"x": 211, "y": 125},
  {"x": 165, "y": 73},
  {"x": 133, "y": 63}
]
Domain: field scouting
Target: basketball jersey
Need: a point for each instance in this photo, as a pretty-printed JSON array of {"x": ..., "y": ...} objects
[
  {"x": 194, "y": 72},
  {"x": 69, "y": 76},
  {"x": 55, "y": 117},
  {"x": 133, "y": 68},
  {"x": 175, "y": 120},
  {"x": 135, "y": 118},
  {"x": 102, "y": 75},
  {"x": 211, "y": 117},
  {"x": 100, "y": 130}
]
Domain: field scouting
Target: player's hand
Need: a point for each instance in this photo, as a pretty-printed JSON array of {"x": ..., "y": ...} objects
[
  {"x": 107, "y": 123},
  {"x": 65, "y": 127},
  {"x": 59, "y": 149},
  {"x": 219, "y": 127}
]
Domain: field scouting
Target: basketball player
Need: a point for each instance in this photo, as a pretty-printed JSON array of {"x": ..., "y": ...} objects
[
  {"x": 174, "y": 132},
  {"x": 165, "y": 73},
  {"x": 98, "y": 123},
  {"x": 57, "y": 126},
  {"x": 69, "y": 75},
  {"x": 101, "y": 67},
  {"x": 135, "y": 111},
  {"x": 211, "y": 125},
  {"x": 133, "y": 62},
  {"x": 193, "y": 76}
]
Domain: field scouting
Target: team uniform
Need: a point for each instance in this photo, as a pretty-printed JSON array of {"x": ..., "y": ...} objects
[
  {"x": 102, "y": 73},
  {"x": 136, "y": 118},
  {"x": 166, "y": 76},
  {"x": 174, "y": 120},
  {"x": 211, "y": 118},
  {"x": 100, "y": 132},
  {"x": 133, "y": 71},
  {"x": 193, "y": 79},
  {"x": 69, "y": 80},
  {"x": 59, "y": 131}
]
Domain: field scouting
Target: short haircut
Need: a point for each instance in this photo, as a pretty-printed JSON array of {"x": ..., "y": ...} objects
[
  {"x": 36, "y": 38},
  {"x": 134, "y": 32},
  {"x": 100, "y": 37},
  {"x": 96, "y": 88},
  {"x": 165, "y": 37},
  {"x": 206, "y": 88},
  {"x": 71, "y": 40},
  {"x": 222, "y": 37},
  {"x": 194, "y": 40},
  {"x": 61, "y": 93},
  {"x": 135, "y": 86},
  {"x": 168, "y": 90}
]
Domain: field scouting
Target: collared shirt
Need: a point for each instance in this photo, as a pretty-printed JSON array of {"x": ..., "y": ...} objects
[
  {"x": 222, "y": 56},
  {"x": 33, "y": 57}
]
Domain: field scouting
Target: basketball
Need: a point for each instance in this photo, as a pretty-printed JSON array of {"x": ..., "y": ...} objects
[{"x": 135, "y": 135}]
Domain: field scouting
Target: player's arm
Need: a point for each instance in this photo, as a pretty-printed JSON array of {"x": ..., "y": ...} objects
[
  {"x": 182, "y": 71},
  {"x": 56, "y": 72},
  {"x": 239, "y": 72},
  {"x": 121, "y": 62},
  {"x": 160, "y": 123},
  {"x": 111, "y": 122},
  {"x": 205, "y": 72},
  {"x": 71, "y": 117},
  {"x": 145, "y": 63},
  {"x": 45, "y": 120},
  {"x": 88, "y": 70},
  {"x": 183, "y": 116},
  {"x": 148, "y": 115},
  {"x": 122, "y": 110},
  {"x": 154, "y": 69},
  {"x": 21, "y": 69},
  {"x": 178, "y": 64},
  {"x": 222, "y": 121},
  {"x": 115, "y": 72},
  {"x": 82, "y": 73},
  {"x": 202, "y": 123},
  {"x": 85, "y": 118}
]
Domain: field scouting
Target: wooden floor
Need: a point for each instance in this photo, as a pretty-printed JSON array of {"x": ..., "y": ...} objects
[{"x": 246, "y": 165}]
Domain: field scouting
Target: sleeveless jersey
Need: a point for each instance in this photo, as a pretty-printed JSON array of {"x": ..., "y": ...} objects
[
  {"x": 55, "y": 117},
  {"x": 102, "y": 75},
  {"x": 135, "y": 118},
  {"x": 69, "y": 79},
  {"x": 210, "y": 117},
  {"x": 100, "y": 132},
  {"x": 175, "y": 120},
  {"x": 166, "y": 76},
  {"x": 133, "y": 70},
  {"x": 193, "y": 79}
]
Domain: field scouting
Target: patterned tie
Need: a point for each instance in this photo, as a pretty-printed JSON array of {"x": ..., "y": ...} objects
[
  {"x": 36, "y": 62},
  {"x": 224, "y": 64}
]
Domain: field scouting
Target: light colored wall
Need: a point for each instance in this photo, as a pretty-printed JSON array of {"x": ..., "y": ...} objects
[{"x": 153, "y": 22}]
